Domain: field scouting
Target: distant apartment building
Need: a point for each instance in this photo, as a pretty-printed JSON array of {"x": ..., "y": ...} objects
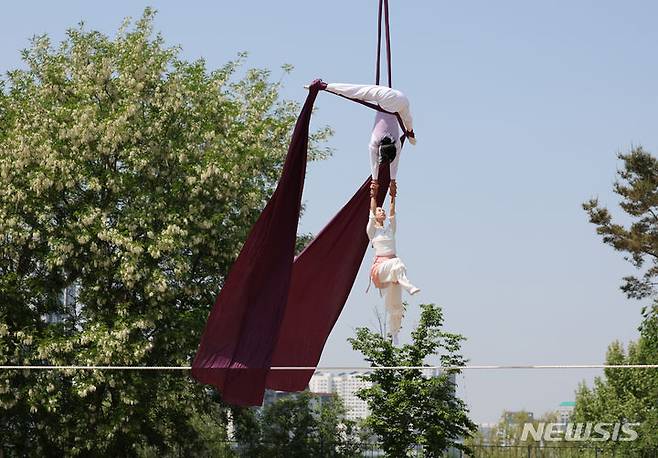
[
  {"x": 564, "y": 411},
  {"x": 346, "y": 385},
  {"x": 321, "y": 382}
]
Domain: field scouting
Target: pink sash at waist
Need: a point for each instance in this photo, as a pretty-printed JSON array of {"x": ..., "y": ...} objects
[{"x": 375, "y": 265}]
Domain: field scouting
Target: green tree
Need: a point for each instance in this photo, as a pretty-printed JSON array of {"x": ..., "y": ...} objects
[
  {"x": 626, "y": 395},
  {"x": 297, "y": 426},
  {"x": 509, "y": 429},
  {"x": 637, "y": 186},
  {"x": 337, "y": 435},
  {"x": 407, "y": 408},
  {"x": 134, "y": 176},
  {"x": 630, "y": 395}
]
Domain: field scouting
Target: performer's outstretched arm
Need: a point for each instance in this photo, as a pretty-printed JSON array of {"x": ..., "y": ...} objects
[
  {"x": 370, "y": 228},
  {"x": 374, "y": 187}
]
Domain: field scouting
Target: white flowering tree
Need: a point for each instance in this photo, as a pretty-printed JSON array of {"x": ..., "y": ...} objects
[{"x": 133, "y": 176}]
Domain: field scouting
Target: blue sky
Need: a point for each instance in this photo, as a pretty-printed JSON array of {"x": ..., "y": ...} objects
[{"x": 520, "y": 109}]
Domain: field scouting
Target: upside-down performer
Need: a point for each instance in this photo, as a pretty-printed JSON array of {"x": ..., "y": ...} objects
[
  {"x": 388, "y": 272},
  {"x": 385, "y": 140}
]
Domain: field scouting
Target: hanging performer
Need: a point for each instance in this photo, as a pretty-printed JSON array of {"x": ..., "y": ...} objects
[
  {"x": 388, "y": 272},
  {"x": 385, "y": 141}
]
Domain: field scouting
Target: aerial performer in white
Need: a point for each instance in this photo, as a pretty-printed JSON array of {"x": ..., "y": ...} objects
[
  {"x": 388, "y": 272},
  {"x": 385, "y": 142}
]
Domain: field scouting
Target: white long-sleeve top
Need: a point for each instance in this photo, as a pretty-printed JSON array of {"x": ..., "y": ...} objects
[
  {"x": 382, "y": 238},
  {"x": 386, "y": 125}
]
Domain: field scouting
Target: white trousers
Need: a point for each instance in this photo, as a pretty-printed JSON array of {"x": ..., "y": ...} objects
[
  {"x": 389, "y": 99},
  {"x": 392, "y": 274}
]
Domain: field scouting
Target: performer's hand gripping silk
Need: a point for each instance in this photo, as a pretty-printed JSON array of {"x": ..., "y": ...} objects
[
  {"x": 385, "y": 144},
  {"x": 388, "y": 272}
]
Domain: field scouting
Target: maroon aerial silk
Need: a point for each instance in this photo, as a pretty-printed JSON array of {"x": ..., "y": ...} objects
[
  {"x": 275, "y": 310},
  {"x": 322, "y": 277}
]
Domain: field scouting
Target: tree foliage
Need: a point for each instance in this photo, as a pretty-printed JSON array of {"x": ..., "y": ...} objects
[
  {"x": 508, "y": 432},
  {"x": 637, "y": 186},
  {"x": 406, "y": 407},
  {"x": 630, "y": 395},
  {"x": 297, "y": 426},
  {"x": 626, "y": 395},
  {"x": 133, "y": 176}
]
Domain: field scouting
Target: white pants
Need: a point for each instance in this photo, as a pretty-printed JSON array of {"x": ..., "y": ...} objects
[
  {"x": 389, "y": 99},
  {"x": 394, "y": 308},
  {"x": 392, "y": 274}
]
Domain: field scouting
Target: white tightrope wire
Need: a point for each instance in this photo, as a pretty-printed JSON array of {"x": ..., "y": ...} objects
[{"x": 346, "y": 368}]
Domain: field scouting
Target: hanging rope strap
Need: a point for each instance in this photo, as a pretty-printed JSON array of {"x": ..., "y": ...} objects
[
  {"x": 379, "y": 41},
  {"x": 388, "y": 43},
  {"x": 382, "y": 13},
  {"x": 383, "y": 5}
]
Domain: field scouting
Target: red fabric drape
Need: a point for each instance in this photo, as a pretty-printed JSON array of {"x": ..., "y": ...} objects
[
  {"x": 237, "y": 343},
  {"x": 276, "y": 312},
  {"x": 322, "y": 278}
]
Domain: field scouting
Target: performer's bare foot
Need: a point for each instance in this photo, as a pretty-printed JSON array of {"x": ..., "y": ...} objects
[{"x": 414, "y": 290}]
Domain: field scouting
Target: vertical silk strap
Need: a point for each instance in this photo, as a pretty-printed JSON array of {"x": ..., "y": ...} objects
[{"x": 383, "y": 7}]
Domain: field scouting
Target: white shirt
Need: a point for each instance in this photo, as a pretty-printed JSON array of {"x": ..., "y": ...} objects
[{"x": 382, "y": 238}]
